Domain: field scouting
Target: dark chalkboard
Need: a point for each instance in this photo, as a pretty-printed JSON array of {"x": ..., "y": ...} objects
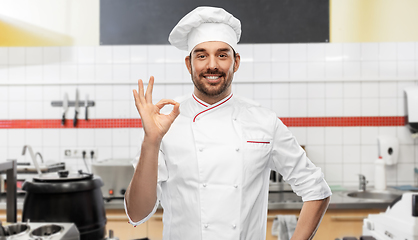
[{"x": 133, "y": 22}]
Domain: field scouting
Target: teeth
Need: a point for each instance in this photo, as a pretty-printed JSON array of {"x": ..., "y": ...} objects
[{"x": 212, "y": 77}]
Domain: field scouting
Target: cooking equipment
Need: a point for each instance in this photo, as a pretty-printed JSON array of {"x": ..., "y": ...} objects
[
  {"x": 68, "y": 197},
  {"x": 64, "y": 108},
  {"x": 38, "y": 231},
  {"x": 116, "y": 175},
  {"x": 398, "y": 222},
  {"x": 77, "y": 107},
  {"x": 86, "y": 105}
]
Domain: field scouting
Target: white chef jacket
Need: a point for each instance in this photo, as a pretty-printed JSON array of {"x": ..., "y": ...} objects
[{"x": 214, "y": 168}]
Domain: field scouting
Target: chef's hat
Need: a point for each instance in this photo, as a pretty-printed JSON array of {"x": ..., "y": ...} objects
[{"x": 205, "y": 24}]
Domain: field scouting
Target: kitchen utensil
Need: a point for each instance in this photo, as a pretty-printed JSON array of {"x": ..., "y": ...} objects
[
  {"x": 77, "y": 107},
  {"x": 50, "y": 231},
  {"x": 64, "y": 108},
  {"x": 86, "y": 105},
  {"x": 75, "y": 198}
]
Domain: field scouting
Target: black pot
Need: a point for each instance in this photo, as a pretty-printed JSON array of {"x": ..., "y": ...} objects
[{"x": 72, "y": 199}]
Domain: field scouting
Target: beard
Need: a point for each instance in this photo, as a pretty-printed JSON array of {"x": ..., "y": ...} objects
[{"x": 212, "y": 89}]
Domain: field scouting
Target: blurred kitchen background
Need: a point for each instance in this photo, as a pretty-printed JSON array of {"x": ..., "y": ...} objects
[{"x": 336, "y": 97}]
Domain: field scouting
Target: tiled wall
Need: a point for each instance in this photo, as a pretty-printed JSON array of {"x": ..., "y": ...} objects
[{"x": 295, "y": 80}]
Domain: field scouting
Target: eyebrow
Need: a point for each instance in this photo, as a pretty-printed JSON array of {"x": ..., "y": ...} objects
[{"x": 198, "y": 50}]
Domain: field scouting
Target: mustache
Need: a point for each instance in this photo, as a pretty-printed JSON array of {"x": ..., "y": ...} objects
[{"x": 217, "y": 72}]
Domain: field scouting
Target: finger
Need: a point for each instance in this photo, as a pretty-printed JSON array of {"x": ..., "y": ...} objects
[
  {"x": 164, "y": 102},
  {"x": 148, "y": 94},
  {"x": 175, "y": 112},
  {"x": 141, "y": 91}
]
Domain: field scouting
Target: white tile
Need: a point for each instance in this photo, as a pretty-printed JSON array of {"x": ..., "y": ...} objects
[
  {"x": 280, "y": 52},
  {"x": 51, "y": 73},
  {"x": 33, "y": 55},
  {"x": 390, "y": 131},
  {"x": 351, "y": 136},
  {"x": 315, "y": 136},
  {"x": 333, "y": 173},
  {"x": 245, "y": 90},
  {"x": 262, "y": 71},
  {"x": 404, "y": 135},
  {"x": 402, "y": 85},
  {"x": 17, "y": 73},
  {"x": 103, "y": 137},
  {"x": 333, "y": 70},
  {"x": 352, "y": 90},
  {"x": 369, "y": 70},
  {"x": 262, "y": 90},
  {"x": 316, "y": 70},
  {"x": 120, "y": 54},
  {"x": 17, "y": 93},
  {"x": 34, "y": 93},
  {"x": 246, "y": 51},
  {"x": 121, "y": 152},
  {"x": 120, "y": 137},
  {"x": 391, "y": 175},
  {"x": 52, "y": 93},
  {"x": 316, "y": 90},
  {"x": 369, "y": 135},
  {"x": 352, "y": 107},
  {"x": 333, "y": 90},
  {"x": 281, "y": 107},
  {"x": 280, "y": 90},
  {"x": 298, "y": 52},
  {"x": 104, "y": 109},
  {"x": 121, "y": 92},
  {"x": 334, "y": 107},
  {"x": 370, "y": 89},
  {"x": 17, "y": 110},
  {"x": 334, "y": 52},
  {"x": 333, "y": 154},
  {"x": 4, "y": 55},
  {"x": 367, "y": 169},
  {"x": 351, "y": 154},
  {"x": 370, "y": 107},
  {"x": 388, "y": 89},
  {"x": 298, "y": 91},
  {"x": 69, "y": 73},
  {"x": 245, "y": 72},
  {"x": 138, "y": 71},
  {"x": 406, "y": 69},
  {"x": 103, "y": 73},
  {"x": 4, "y": 113},
  {"x": 121, "y": 109},
  {"x": 154, "y": 69},
  {"x": 406, "y": 154},
  {"x": 120, "y": 72},
  {"x": 405, "y": 51},
  {"x": 68, "y": 137},
  {"x": 298, "y": 107},
  {"x": 34, "y": 110},
  {"x": 280, "y": 70},
  {"x": 174, "y": 71},
  {"x": 387, "y": 70},
  {"x": 4, "y": 93},
  {"x": 156, "y": 54},
  {"x": 17, "y": 55},
  {"x": 333, "y": 136},
  {"x": 174, "y": 55},
  {"x": 86, "y": 137},
  {"x": 4, "y": 74},
  {"x": 85, "y": 54},
  {"x": 299, "y": 133},
  {"x": 33, "y": 73},
  {"x": 401, "y": 107},
  {"x": 387, "y": 51},
  {"x": 316, "y": 52},
  {"x": 388, "y": 107},
  {"x": 50, "y": 112},
  {"x": 369, "y": 51},
  {"x": 352, "y": 51},
  {"x": 351, "y": 172},
  {"x": 68, "y": 55},
  {"x": 159, "y": 91},
  {"x": 352, "y": 70},
  {"x": 51, "y": 137},
  {"x": 173, "y": 91},
  {"x": 4, "y": 137},
  {"x": 51, "y": 154},
  {"x": 316, "y": 108},
  {"x": 103, "y": 54},
  {"x": 138, "y": 54},
  {"x": 33, "y": 137},
  {"x": 316, "y": 153},
  {"x": 298, "y": 70},
  {"x": 136, "y": 136},
  {"x": 262, "y": 52},
  {"x": 16, "y": 138},
  {"x": 369, "y": 153},
  {"x": 86, "y": 73},
  {"x": 405, "y": 172},
  {"x": 3, "y": 154},
  {"x": 51, "y": 55}
]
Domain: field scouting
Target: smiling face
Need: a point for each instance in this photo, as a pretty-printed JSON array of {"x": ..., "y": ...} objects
[{"x": 212, "y": 67}]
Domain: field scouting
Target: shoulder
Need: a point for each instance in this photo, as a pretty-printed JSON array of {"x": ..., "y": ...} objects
[{"x": 252, "y": 110}]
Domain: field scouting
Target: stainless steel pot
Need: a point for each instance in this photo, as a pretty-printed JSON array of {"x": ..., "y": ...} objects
[{"x": 74, "y": 198}]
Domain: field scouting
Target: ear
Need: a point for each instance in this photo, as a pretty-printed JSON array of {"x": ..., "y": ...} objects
[
  {"x": 237, "y": 62},
  {"x": 188, "y": 62}
]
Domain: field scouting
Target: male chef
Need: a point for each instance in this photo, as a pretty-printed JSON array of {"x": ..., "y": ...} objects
[{"x": 208, "y": 161}]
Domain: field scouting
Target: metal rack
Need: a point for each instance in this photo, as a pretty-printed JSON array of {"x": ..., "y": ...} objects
[{"x": 11, "y": 193}]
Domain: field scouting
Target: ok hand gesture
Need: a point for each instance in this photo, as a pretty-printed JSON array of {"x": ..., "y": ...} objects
[{"x": 155, "y": 124}]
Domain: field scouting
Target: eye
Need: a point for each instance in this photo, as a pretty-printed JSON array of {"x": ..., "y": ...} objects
[
  {"x": 201, "y": 56},
  {"x": 223, "y": 55}
]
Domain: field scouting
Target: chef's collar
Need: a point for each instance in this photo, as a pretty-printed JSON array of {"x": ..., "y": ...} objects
[{"x": 204, "y": 104}]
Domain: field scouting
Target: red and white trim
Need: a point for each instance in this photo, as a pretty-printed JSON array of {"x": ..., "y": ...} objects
[
  {"x": 217, "y": 105},
  {"x": 197, "y": 100}
]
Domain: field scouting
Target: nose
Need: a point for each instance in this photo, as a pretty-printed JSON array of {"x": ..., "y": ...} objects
[{"x": 212, "y": 63}]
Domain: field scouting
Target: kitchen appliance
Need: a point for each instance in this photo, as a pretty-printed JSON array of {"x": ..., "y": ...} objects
[
  {"x": 77, "y": 107},
  {"x": 411, "y": 109},
  {"x": 398, "y": 222},
  {"x": 64, "y": 108},
  {"x": 67, "y": 197},
  {"x": 116, "y": 175},
  {"x": 40, "y": 231}
]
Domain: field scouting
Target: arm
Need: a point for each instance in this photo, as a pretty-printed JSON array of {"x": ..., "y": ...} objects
[
  {"x": 309, "y": 219},
  {"x": 141, "y": 194}
]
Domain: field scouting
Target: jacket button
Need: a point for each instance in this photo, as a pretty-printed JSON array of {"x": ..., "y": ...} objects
[
  {"x": 206, "y": 226},
  {"x": 234, "y": 226},
  {"x": 235, "y": 186},
  {"x": 200, "y": 149},
  {"x": 237, "y": 149},
  {"x": 204, "y": 185}
]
